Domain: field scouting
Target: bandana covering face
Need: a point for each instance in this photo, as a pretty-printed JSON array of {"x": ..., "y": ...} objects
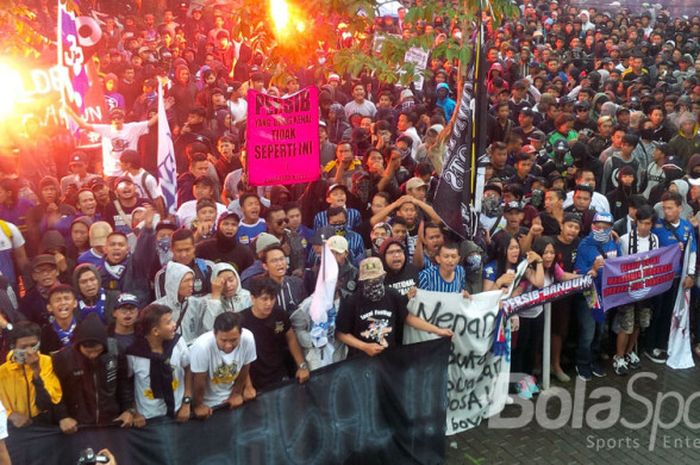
[
  {"x": 602, "y": 235},
  {"x": 373, "y": 289}
]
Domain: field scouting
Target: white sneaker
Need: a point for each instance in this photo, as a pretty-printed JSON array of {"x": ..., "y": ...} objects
[
  {"x": 633, "y": 360},
  {"x": 620, "y": 366}
]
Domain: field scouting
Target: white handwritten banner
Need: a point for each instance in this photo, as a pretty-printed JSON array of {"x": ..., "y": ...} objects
[{"x": 477, "y": 380}]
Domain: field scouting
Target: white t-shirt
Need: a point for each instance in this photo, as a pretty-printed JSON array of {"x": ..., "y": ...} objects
[
  {"x": 140, "y": 368},
  {"x": 188, "y": 212},
  {"x": 643, "y": 243},
  {"x": 115, "y": 142},
  {"x": 7, "y": 246},
  {"x": 3, "y": 422},
  {"x": 238, "y": 109},
  {"x": 146, "y": 180},
  {"x": 222, "y": 368}
]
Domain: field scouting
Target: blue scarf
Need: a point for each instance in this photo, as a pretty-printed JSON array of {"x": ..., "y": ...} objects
[
  {"x": 98, "y": 308},
  {"x": 64, "y": 335}
]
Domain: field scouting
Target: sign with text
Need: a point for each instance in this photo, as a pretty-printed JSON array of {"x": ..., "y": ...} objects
[
  {"x": 380, "y": 410},
  {"x": 632, "y": 278},
  {"x": 282, "y": 138},
  {"x": 477, "y": 380},
  {"x": 549, "y": 293}
]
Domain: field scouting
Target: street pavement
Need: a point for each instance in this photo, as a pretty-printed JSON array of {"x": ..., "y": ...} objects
[{"x": 663, "y": 403}]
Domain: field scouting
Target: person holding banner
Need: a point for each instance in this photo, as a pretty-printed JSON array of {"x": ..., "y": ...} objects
[
  {"x": 671, "y": 229},
  {"x": 590, "y": 257},
  {"x": 631, "y": 319},
  {"x": 368, "y": 321}
]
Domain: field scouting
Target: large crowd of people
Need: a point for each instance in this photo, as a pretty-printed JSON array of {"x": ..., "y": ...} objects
[{"x": 116, "y": 311}]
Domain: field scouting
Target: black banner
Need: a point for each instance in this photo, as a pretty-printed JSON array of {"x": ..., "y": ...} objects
[{"x": 384, "y": 410}]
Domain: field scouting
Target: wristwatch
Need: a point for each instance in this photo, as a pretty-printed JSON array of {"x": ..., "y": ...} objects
[
  {"x": 303, "y": 366},
  {"x": 187, "y": 400}
]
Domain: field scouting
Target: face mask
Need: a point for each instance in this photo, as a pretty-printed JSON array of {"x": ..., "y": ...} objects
[
  {"x": 339, "y": 229},
  {"x": 377, "y": 243},
  {"x": 164, "y": 244},
  {"x": 602, "y": 235},
  {"x": 537, "y": 198},
  {"x": 491, "y": 207},
  {"x": 373, "y": 289},
  {"x": 473, "y": 263}
]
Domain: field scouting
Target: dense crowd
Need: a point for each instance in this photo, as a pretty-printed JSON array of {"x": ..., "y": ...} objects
[{"x": 116, "y": 311}]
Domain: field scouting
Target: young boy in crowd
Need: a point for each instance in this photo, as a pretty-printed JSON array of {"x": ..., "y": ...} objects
[
  {"x": 251, "y": 224},
  {"x": 160, "y": 366},
  {"x": 633, "y": 318},
  {"x": 62, "y": 306}
]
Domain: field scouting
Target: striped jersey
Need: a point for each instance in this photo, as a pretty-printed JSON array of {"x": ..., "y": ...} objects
[{"x": 429, "y": 279}]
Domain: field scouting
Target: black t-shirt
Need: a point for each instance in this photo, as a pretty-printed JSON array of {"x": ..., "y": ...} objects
[
  {"x": 550, "y": 225},
  {"x": 403, "y": 280},
  {"x": 372, "y": 322},
  {"x": 270, "y": 344},
  {"x": 566, "y": 254}
]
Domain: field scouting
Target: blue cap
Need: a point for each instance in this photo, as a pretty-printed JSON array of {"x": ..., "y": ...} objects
[
  {"x": 603, "y": 217},
  {"x": 125, "y": 299}
]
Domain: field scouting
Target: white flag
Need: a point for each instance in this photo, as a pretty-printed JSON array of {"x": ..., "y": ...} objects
[
  {"x": 680, "y": 355},
  {"x": 167, "y": 168},
  {"x": 324, "y": 294}
]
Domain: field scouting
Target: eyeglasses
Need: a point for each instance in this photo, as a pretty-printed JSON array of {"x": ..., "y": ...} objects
[{"x": 281, "y": 222}]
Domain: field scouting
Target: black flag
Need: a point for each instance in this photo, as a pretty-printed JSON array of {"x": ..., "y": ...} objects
[{"x": 454, "y": 197}]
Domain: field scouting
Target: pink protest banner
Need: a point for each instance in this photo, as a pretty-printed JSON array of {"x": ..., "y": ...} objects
[{"x": 282, "y": 138}]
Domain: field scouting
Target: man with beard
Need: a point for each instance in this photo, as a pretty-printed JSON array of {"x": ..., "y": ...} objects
[
  {"x": 400, "y": 274},
  {"x": 224, "y": 247},
  {"x": 369, "y": 320}
]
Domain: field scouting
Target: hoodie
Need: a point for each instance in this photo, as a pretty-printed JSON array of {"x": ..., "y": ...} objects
[
  {"x": 686, "y": 210},
  {"x": 619, "y": 197},
  {"x": 684, "y": 145},
  {"x": 105, "y": 301},
  {"x": 340, "y": 126},
  {"x": 446, "y": 104},
  {"x": 94, "y": 391},
  {"x": 240, "y": 300},
  {"x": 405, "y": 278},
  {"x": 189, "y": 312}
]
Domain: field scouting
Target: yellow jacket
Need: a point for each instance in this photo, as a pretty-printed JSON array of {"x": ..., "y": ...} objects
[{"x": 17, "y": 391}]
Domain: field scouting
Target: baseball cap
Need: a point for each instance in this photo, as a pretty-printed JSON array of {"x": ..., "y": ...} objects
[
  {"x": 371, "y": 268},
  {"x": 336, "y": 186},
  {"x": 571, "y": 217},
  {"x": 126, "y": 299},
  {"x": 265, "y": 240},
  {"x": 538, "y": 136},
  {"x": 406, "y": 94},
  {"x": 98, "y": 233},
  {"x": 78, "y": 157},
  {"x": 510, "y": 206},
  {"x": 122, "y": 179},
  {"x": 338, "y": 244},
  {"x": 165, "y": 224},
  {"x": 437, "y": 128},
  {"x": 527, "y": 111},
  {"x": 603, "y": 217},
  {"x": 43, "y": 259},
  {"x": 333, "y": 77},
  {"x": 414, "y": 183}
]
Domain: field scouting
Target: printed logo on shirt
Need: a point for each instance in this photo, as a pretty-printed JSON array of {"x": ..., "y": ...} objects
[
  {"x": 148, "y": 392},
  {"x": 119, "y": 145},
  {"x": 279, "y": 327},
  {"x": 225, "y": 374},
  {"x": 377, "y": 331}
]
